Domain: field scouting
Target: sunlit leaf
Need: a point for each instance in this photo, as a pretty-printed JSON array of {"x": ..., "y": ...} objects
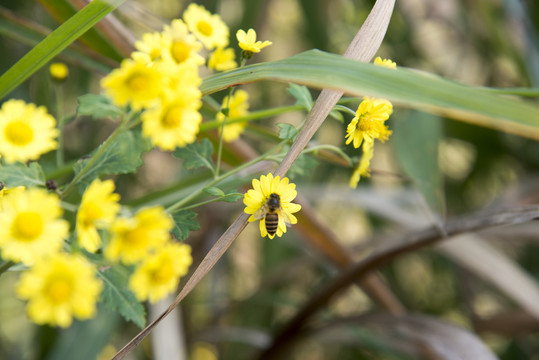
[
  {"x": 18, "y": 174},
  {"x": 196, "y": 155},
  {"x": 184, "y": 223}
]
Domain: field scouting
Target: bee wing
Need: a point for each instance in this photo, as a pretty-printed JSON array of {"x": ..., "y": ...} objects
[
  {"x": 261, "y": 213},
  {"x": 286, "y": 218}
]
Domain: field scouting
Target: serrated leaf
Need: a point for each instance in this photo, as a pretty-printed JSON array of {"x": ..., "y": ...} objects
[
  {"x": 97, "y": 106},
  {"x": 232, "y": 197},
  {"x": 196, "y": 155},
  {"x": 123, "y": 155},
  {"x": 116, "y": 295},
  {"x": 215, "y": 191},
  {"x": 184, "y": 223},
  {"x": 287, "y": 131},
  {"x": 302, "y": 95},
  {"x": 18, "y": 174}
]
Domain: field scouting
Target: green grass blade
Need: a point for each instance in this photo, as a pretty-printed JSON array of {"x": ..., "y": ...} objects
[
  {"x": 406, "y": 87},
  {"x": 58, "y": 40}
]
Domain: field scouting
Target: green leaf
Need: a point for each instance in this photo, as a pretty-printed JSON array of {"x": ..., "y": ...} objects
[
  {"x": 18, "y": 174},
  {"x": 196, "y": 155},
  {"x": 287, "y": 131},
  {"x": 302, "y": 166},
  {"x": 53, "y": 44},
  {"x": 215, "y": 191},
  {"x": 97, "y": 106},
  {"x": 117, "y": 297},
  {"x": 302, "y": 95},
  {"x": 410, "y": 88},
  {"x": 123, "y": 155},
  {"x": 184, "y": 223},
  {"x": 415, "y": 140},
  {"x": 232, "y": 197}
]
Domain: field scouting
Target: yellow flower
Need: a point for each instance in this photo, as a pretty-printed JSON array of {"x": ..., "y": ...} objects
[
  {"x": 247, "y": 41},
  {"x": 369, "y": 121},
  {"x": 132, "y": 238},
  {"x": 363, "y": 167},
  {"x": 99, "y": 206},
  {"x": 26, "y": 131},
  {"x": 385, "y": 63},
  {"x": 175, "y": 120},
  {"x": 30, "y": 226},
  {"x": 59, "y": 288},
  {"x": 158, "y": 275},
  {"x": 4, "y": 191},
  {"x": 271, "y": 195},
  {"x": 183, "y": 46},
  {"x": 237, "y": 107},
  {"x": 209, "y": 29},
  {"x": 58, "y": 71},
  {"x": 153, "y": 44},
  {"x": 138, "y": 82},
  {"x": 222, "y": 59}
]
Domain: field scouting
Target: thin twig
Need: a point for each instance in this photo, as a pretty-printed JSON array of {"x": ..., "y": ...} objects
[{"x": 399, "y": 246}]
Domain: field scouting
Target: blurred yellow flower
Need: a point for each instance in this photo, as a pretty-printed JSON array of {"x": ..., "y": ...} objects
[
  {"x": 369, "y": 121},
  {"x": 26, "y": 131},
  {"x": 237, "y": 106},
  {"x": 4, "y": 191},
  {"x": 138, "y": 82},
  {"x": 222, "y": 59},
  {"x": 207, "y": 27},
  {"x": 385, "y": 63},
  {"x": 183, "y": 47},
  {"x": 133, "y": 238},
  {"x": 247, "y": 41},
  {"x": 363, "y": 167},
  {"x": 30, "y": 226},
  {"x": 159, "y": 273},
  {"x": 270, "y": 202},
  {"x": 99, "y": 206},
  {"x": 59, "y": 71},
  {"x": 59, "y": 288},
  {"x": 153, "y": 44}
]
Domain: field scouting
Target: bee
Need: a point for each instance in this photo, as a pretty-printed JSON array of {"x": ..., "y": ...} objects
[{"x": 271, "y": 211}]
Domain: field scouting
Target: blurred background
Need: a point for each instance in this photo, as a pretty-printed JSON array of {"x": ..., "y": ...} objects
[{"x": 485, "y": 283}]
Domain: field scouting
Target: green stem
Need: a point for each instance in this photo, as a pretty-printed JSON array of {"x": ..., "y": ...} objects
[
  {"x": 216, "y": 180},
  {"x": 255, "y": 115},
  {"x": 345, "y": 109},
  {"x": 100, "y": 150},
  {"x": 60, "y": 116},
  {"x": 222, "y": 132},
  {"x": 332, "y": 148}
]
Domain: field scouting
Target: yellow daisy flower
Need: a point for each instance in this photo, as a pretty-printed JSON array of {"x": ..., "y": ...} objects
[
  {"x": 132, "y": 238},
  {"x": 238, "y": 106},
  {"x": 183, "y": 47},
  {"x": 247, "y": 41},
  {"x": 158, "y": 275},
  {"x": 175, "y": 120},
  {"x": 4, "y": 191},
  {"x": 138, "y": 82},
  {"x": 99, "y": 206},
  {"x": 363, "y": 168},
  {"x": 58, "y": 71},
  {"x": 59, "y": 288},
  {"x": 26, "y": 131},
  {"x": 153, "y": 44},
  {"x": 270, "y": 202},
  {"x": 30, "y": 226},
  {"x": 222, "y": 59},
  {"x": 385, "y": 63},
  {"x": 209, "y": 29},
  {"x": 369, "y": 121}
]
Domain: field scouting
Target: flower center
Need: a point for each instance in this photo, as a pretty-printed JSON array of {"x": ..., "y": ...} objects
[
  {"x": 173, "y": 117},
  {"x": 19, "y": 133},
  {"x": 59, "y": 290},
  {"x": 204, "y": 28},
  {"x": 138, "y": 82},
  {"x": 163, "y": 274},
  {"x": 180, "y": 51},
  {"x": 136, "y": 237},
  {"x": 92, "y": 212},
  {"x": 27, "y": 226},
  {"x": 366, "y": 123}
]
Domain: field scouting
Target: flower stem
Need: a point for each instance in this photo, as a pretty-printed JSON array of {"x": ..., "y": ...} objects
[
  {"x": 59, "y": 90},
  {"x": 222, "y": 132}
]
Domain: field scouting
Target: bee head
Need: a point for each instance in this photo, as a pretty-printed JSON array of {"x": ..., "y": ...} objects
[{"x": 274, "y": 200}]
